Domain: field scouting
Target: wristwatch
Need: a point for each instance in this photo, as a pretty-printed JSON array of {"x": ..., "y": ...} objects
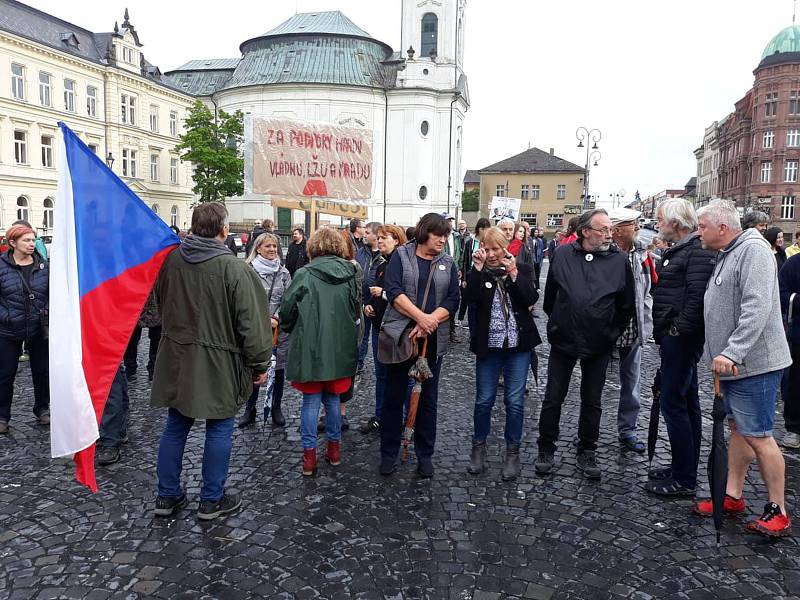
[{"x": 673, "y": 331}]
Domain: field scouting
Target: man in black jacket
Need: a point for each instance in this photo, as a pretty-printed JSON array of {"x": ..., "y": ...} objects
[
  {"x": 296, "y": 254},
  {"x": 678, "y": 330},
  {"x": 590, "y": 299}
]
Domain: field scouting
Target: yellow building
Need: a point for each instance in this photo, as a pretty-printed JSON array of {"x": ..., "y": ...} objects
[{"x": 549, "y": 187}]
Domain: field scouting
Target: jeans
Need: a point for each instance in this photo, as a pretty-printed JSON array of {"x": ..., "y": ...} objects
[
  {"x": 680, "y": 405},
  {"x": 114, "y": 425},
  {"x": 750, "y": 403},
  {"x": 559, "y": 373},
  {"x": 39, "y": 362},
  {"x": 309, "y": 414},
  {"x": 362, "y": 349},
  {"x": 216, "y": 456},
  {"x": 380, "y": 374},
  {"x": 154, "y": 335},
  {"x": 791, "y": 401},
  {"x": 392, "y": 421},
  {"x": 514, "y": 367},
  {"x": 630, "y": 372}
]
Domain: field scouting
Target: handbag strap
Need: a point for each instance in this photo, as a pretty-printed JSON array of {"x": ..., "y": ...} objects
[
  {"x": 26, "y": 285},
  {"x": 427, "y": 289}
]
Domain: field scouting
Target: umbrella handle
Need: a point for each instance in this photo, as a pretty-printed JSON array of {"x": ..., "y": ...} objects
[
  {"x": 425, "y": 347},
  {"x": 717, "y": 391}
]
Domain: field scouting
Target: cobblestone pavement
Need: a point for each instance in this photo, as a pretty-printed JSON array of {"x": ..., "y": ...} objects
[{"x": 349, "y": 533}]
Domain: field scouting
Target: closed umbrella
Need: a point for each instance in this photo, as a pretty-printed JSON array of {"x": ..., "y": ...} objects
[
  {"x": 718, "y": 458},
  {"x": 419, "y": 372},
  {"x": 652, "y": 431}
]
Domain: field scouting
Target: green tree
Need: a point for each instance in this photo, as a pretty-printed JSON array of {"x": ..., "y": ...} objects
[
  {"x": 213, "y": 146},
  {"x": 470, "y": 200}
]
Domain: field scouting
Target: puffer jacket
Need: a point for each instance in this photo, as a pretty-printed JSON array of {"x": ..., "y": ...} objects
[
  {"x": 678, "y": 297},
  {"x": 20, "y": 317}
]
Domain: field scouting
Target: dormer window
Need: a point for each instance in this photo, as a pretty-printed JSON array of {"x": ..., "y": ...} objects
[
  {"x": 430, "y": 35},
  {"x": 129, "y": 55},
  {"x": 69, "y": 39}
]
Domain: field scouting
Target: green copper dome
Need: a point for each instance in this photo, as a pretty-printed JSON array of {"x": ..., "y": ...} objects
[{"x": 787, "y": 40}]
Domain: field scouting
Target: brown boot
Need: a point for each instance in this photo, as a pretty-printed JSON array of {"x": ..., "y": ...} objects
[
  {"x": 334, "y": 453},
  {"x": 309, "y": 461}
]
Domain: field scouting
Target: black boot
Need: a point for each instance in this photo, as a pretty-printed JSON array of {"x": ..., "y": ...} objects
[
  {"x": 248, "y": 418},
  {"x": 477, "y": 459},
  {"x": 278, "y": 419},
  {"x": 511, "y": 465}
]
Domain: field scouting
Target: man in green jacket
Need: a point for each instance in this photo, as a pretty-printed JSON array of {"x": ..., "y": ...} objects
[{"x": 215, "y": 344}]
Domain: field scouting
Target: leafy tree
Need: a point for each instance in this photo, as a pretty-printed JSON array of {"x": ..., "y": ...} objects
[
  {"x": 470, "y": 200},
  {"x": 209, "y": 145}
]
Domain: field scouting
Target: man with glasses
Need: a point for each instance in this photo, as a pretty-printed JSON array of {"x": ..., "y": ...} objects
[{"x": 590, "y": 299}]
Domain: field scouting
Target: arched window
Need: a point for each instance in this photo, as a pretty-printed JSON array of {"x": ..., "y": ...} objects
[
  {"x": 47, "y": 221},
  {"x": 154, "y": 208},
  {"x": 430, "y": 35},
  {"x": 23, "y": 213},
  {"x": 173, "y": 216}
]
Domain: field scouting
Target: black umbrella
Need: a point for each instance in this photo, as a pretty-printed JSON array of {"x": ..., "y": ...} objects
[
  {"x": 718, "y": 458},
  {"x": 652, "y": 431}
]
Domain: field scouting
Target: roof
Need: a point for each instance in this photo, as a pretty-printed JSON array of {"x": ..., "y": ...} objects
[
  {"x": 787, "y": 40},
  {"x": 210, "y": 64},
  {"x": 533, "y": 160},
  {"x": 472, "y": 176},
  {"x": 332, "y": 22}
]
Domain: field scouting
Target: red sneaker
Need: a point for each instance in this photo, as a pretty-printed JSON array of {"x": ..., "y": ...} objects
[
  {"x": 731, "y": 506},
  {"x": 309, "y": 461},
  {"x": 334, "y": 453},
  {"x": 773, "y": 523}
]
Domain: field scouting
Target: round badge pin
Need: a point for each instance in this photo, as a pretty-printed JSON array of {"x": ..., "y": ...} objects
[
  {"x": 718, "y": 281},
  {"x": 442, "y": 267},
  {"x": 488, "y": 285},
  {"x": 589, "y": 257},
  {"x": 666, "y": 262}
]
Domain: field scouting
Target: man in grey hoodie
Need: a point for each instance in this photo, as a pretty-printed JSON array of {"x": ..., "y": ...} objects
[{"x": 746, "y": 346}]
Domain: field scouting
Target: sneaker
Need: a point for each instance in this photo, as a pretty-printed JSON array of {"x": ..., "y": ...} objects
[
  {"x": 345, "y": 423},
  {"x": 106, "y": 455},
  {"x": 587, "y": 464},
  {"x": 43, "y": 417},
  {"x": 791, "y": 440},
  {"x": 3, "y": 427},
  {"x": 731, "y": 506},
  {"x": 25, "y": 357},
  {"x": 659, "y": 473},
  {"x": 372, "y": 425},
  {"x": 544, "y": 463},
  {"x": 425, "y": 469},
  {"x": 210, "y": 510},
  {"x": 166, "y": 507},
  {"x": 772, "y": 523},
  {"x": 668, "y": 488}
]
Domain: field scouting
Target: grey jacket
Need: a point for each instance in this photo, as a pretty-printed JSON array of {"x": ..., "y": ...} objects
[
  {"x": 742, "y": 309},
  {"x": 644, "y": 301},
  {"x": 279, "y": 282}
]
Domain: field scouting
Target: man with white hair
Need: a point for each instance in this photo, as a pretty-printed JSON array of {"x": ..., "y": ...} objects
[
  {"x": 507, "y": 226},
  {"x": 746, "y": 346},
  {"x": 678, "y": 330}
]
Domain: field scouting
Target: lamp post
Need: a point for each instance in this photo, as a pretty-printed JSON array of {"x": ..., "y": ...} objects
[
  {"x": 110, "y": 160},
  {"x": 591, "y": 137},
  {"x": 616, "y": 198}
]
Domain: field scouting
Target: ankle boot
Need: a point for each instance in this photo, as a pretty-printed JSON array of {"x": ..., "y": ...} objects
[
  {"x": 511, "y": 463},
  {"x": 309, "y": 461},
  {"x": 278, "y": 419},
  {"x": 248, "y": 418},
  {"x": 477, "y": 459},
  {"x": 334, "y": 453}
]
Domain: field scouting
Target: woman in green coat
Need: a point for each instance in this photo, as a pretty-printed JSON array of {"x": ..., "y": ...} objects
[{"x": 322, "y": 311}]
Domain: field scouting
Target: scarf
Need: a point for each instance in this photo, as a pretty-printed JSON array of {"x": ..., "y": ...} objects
[{"x": 265, "y": 267}]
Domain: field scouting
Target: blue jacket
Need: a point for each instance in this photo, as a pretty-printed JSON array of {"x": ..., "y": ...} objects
[
  {"x": 789, "y": 282},
  {"x": 20, "y": 317},
  {"x": 369, "y": 263}
]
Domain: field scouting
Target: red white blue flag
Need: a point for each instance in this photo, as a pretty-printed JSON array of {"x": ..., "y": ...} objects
[{"x": 107, "y": 249}]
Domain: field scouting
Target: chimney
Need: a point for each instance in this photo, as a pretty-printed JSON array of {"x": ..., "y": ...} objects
[{"x": 552, "y": 151}]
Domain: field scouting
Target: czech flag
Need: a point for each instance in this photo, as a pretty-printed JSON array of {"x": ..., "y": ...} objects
[{"x": 107, "y": 249}]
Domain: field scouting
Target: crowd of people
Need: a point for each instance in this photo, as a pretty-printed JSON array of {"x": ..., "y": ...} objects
[{"x": 224, "y": 332}]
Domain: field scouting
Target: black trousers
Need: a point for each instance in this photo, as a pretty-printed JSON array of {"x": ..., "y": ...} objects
[
  {"x": 559, "y": 374},
  {"x": 154, "y": 334},
  {"x": 39, "y": 363},
  {"x": 537, "y": 273},
  {"x": 791, "y": 403}
]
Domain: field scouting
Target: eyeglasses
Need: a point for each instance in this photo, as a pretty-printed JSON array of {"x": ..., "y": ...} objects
[{"x": 604, "y": 230}]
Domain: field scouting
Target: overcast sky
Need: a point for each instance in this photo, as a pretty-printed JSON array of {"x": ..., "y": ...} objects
[{"x": 651, "y": 75}]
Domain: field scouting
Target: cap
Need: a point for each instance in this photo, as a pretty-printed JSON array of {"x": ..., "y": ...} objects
[
  {"x": 448, "y": 217},
  {"x": 623, "y": 215}
]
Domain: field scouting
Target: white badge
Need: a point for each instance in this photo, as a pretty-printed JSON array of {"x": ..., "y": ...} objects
[
  {"x": 488, "y": 285},
  {"x": 442, "y": 267},
  {"x": 589, "y": 257},
  {"x": 718, "y": 281},
  {"x": 666, "y": 262}
]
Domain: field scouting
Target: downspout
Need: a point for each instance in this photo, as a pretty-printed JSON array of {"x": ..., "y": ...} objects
[
  {"x": 450, "y": 153},
  {"x": 385, "y": 147}
]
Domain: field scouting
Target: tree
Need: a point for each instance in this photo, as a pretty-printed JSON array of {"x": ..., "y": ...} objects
[
  {"x": 213, "y": 146},
  {"x": 470, "y": 200}
]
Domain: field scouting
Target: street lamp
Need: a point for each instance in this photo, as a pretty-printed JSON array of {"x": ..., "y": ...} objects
[
  {"x": 110, "y": 160},
  {"x": 616, "y": 198},
  {"x": 591, "y": 137}
]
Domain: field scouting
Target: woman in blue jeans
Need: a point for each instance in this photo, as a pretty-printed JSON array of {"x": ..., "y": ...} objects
[{"x": 503, "y": 293}]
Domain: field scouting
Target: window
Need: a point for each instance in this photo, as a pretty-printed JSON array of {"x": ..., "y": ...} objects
[
  {"x": 524, "y": 192},
  {"x": 430, "y": 35},
  {"x": 173, "y": 170},
  {"x": 794, "y": 102},
  {"x": 20, "y": 147},
  {"x": 23, "y": 213},
  {"x": 154, "y": 167},
  {"x": 423, "y": 192},
  {"x": 529, "y": 217},
  {"x": 47, "y": 221},
  {"x": 500, "y": 190},
  {"x": 535, "y": 192},
  {"x": 154, "y": 208},
  {"x": 91, "y": 101},
  {"x": 555, "y": 220},
  {"x": 128, "y": 109},
  {"x": 47, "y": 151},
  {"x": 787, "y": 207},
  {"x": 424, "y": 128},
  {"x": 93, "y": 148},
  {"x": 69, "y": 95},
  {"x": 793, "y": 138},
  {"x": 128, "y": 162},
  {"x": 154, "y": 118},
  {"x": 17, "y": 81},
  {"x": 771, "y": 105},
  {"x": 173, "y": 123},
  {"x": 173, "y": 216},
  {"x": 768, "y": 141},
  {"x": 561, "y": 192},
  {"x": 44, "y": 89},
  {"x": 766, "y": 171},
  {"x": 790, "y": 171}
]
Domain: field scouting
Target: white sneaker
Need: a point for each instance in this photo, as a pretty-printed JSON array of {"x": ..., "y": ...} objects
[
  {"x": 24, "y": 357},
  {"x": 791, "y": 440}
]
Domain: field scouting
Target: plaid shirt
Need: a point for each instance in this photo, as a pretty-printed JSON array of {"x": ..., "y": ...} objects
[{"x": 631, "y": 333}]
